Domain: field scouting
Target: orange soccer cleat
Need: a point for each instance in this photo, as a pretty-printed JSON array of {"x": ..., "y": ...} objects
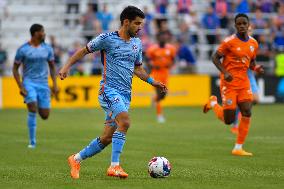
[
  {"x": 116, "y": 171},
  {"x": 75, "y": 167},
  {"x": 241, "y": 152},
  {"x": 207, "y": 106}
]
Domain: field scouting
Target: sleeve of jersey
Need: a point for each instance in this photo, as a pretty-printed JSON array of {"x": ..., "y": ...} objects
[
  {"x": 50, "y": 57},
  {"x": 19, "y": 57},
  {"x": 223, "y": 48},
  {"x": 96, "y": 44},
  {"x": 138, "y": 61}
]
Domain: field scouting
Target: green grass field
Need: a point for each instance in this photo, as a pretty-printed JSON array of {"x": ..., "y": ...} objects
[{"x": 197, "y": 145}]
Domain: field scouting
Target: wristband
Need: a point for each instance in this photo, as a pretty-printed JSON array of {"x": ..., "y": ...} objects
[{"x": 150, "y": 80}]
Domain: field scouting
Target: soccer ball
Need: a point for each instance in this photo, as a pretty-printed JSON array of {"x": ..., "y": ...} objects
[{"x": 159, "y": 167}]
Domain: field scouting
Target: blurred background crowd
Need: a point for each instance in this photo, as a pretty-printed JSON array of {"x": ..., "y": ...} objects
[{"x": 195, "y": 27}]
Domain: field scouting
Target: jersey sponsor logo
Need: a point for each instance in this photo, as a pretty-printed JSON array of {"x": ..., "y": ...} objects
[
  {"x": 239, "y": 49},
  {"x": 251, "y": 48}
]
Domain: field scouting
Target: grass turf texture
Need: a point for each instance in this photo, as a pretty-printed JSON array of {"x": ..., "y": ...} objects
[{"x": 197, "y": 145}]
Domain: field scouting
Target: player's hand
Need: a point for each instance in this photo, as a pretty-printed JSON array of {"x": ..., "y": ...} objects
[
  {"x": 63, "y": 72},
  {"x": 55, "y": 91},
  {"x": 23, "y": 91},
  {"x": 160, "y": 86},
  {"x": 259, "y": 69},
  {"x": 228, "y": 77}
]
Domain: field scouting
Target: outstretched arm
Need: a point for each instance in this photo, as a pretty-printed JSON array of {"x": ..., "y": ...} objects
[
  {"x": 142, "y": 74},
  {"x": 216, "y": 60},
  {"x": 71, "y": 61}
]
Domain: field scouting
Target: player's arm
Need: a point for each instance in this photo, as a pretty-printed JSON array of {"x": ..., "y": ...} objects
[
  {"x": 71, "y": 61},
  {"x": 52, "y": 70},
  {"x": 17, "y": 77},
  {"x": 257, "y": 68},
  {"x": 140, "y": 72},
  {"x": 216, "y": 59}
]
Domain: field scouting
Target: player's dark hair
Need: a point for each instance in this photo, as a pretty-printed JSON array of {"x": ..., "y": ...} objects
[
  {"x": 130, "y": 13},
  {"x": 35, "y": 28},
  {"x": 241, "y": 15}
]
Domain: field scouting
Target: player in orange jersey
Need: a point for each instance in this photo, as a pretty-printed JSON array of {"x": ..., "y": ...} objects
[
  {"x": 161, "y": 57},
  {"x": 238, "y": 53}
]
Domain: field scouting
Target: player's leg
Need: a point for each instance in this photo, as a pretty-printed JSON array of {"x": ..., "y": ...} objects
[
  {"x": 234, "y": 126},
  {"x": 225, "y": 113},
  {"x": 31, "y": 122},
  {"x": 95, "y": 147},
  {"x": 120, "y": 106},
  {"x": 245, "y": 104},
  {"x": 30, "y": 100},
  {"x": 97, "y": 144},
  {"x": 159, "y": 110},
  {"x": 43, "y": 100}
]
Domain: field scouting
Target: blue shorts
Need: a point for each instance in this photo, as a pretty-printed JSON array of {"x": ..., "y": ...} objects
[
  {"x": 37, "y": 92},
  {"x": 113, "y": 103},
  {"x": 252, "y": 80}
]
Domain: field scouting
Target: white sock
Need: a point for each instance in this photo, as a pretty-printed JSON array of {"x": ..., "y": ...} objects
[
  {"x": 78, "y": 158},
  {"x": 238, "y": 146},
  {"x": 114, "y": 164},
  {"x": 213, "y": 103}
]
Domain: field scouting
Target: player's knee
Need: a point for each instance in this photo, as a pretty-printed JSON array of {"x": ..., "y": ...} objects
[
  {"x": 229, "y": 121},
  {"x": 161, "y": 95},
  {"x": 125, "y": 124},
  {"x": 246, "y": 113},
  {"x": 44, "y": 116},
  {"x": 106, "y": 140}
]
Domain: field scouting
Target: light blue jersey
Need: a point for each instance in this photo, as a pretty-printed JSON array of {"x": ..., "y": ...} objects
[
  {"x": 35, "y": 72},
  {"x": 35, "y": 61},
  {"x": 119, "y": 58}
]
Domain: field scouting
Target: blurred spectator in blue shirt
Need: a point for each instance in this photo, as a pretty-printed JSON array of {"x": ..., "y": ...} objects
[
  {"x": 185, "y": 57},
  {"x": 148, "y": 22},
  {"x": 242, "y": 6},
  {"x": 211, "y": 23},
  {"x": 161, "y": 6},
  {"x": 105, "y": 18},
  {"x": 3, "y": 60}
]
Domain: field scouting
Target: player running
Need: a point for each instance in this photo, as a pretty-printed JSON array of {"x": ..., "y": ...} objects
[
  {"x": 121, "y": 54},
  {"x": 254, "y": 89},
  {"x": 161, "y": 57},
  {"x": 35, "y": 56},
  {"x": 238, "y": 52}
]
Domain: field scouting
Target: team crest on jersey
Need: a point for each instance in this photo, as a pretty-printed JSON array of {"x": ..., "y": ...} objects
[
  {"x": 134, "y": 47},
  {"x": 115, "y": 100},
  {"x": 251, "y": 48},
  {"x": 229, "y": 102}
]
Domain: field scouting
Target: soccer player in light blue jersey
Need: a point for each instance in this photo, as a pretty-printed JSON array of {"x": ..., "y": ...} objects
[
  {"x": 121, "y": 55},
  {"x": 35, "y": 56}
]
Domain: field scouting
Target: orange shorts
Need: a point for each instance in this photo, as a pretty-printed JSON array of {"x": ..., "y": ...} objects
[
  {"x": 161, "y": 77},
  {"x": 231, "y": 97}
]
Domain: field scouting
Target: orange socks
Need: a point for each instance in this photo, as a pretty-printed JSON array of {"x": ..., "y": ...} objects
[
  {"x": 218, "y": 110},
  {"x": 243, "y": 129},
  {"x": 159, "y": 108}
]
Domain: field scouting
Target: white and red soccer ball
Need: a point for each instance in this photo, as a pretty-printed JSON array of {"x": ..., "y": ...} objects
[{"x": 159, "y": 167}]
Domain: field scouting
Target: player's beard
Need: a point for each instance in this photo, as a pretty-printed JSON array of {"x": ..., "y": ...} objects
[{"x": 133, "y": 34}]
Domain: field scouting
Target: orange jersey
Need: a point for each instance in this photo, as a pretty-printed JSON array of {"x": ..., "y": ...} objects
[
  {"x": 161, "y": 59},
  {"x": 237, "y": 55}
]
